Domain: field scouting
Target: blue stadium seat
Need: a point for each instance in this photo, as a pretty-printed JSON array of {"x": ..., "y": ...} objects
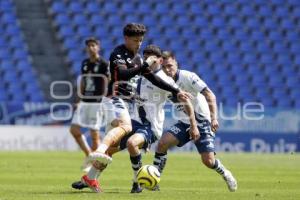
[
  {"x": 110, "y": 7},
  {"x": 62, "y": 19},
  {"x": 235, "y": 22},
  {"x": 79, "y": 19},
  {"x": 179, "y": 9},
  {"x": 161, "y": 8},
  {"x": 241, "y": 35},
  {"x": 144, "y": 7},
  {"x": 84, "y": 31},
  {"x": 268, "y": 102},
  {"x": 281, "y": 11},
  {"x": 201, "y": 21},
  {"x": 247, "y": 10},
  {"x": 218, "y": 22},
  {"x": 75, "y": 7},
  {"x": 267, "y": 59},
  {"x": 283, "y": 103},
  {"x": 270, "y": 23},
  {"x": 128, "y": 7},
  {"x": 93, "y": 7},
  {"x": 58, "y": 7}
]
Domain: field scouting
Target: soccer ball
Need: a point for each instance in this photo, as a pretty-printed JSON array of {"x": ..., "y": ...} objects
[{"x": 148, "y": 176}]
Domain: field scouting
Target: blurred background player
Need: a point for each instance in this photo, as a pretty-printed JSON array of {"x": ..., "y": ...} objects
[
  {"x": 205, "y": 108},
  {"x": 94, "y": 77}
]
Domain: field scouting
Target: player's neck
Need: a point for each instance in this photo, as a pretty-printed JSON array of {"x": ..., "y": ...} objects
[
  {"x": 129, "y": 49},
  {"x": 94, "y": 58}
]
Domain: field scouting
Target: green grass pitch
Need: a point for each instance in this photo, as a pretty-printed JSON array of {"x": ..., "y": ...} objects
[{"x": 48, "y": 175}]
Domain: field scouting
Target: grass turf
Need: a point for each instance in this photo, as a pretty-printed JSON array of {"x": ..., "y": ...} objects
[{"x": 48, "y": 175}]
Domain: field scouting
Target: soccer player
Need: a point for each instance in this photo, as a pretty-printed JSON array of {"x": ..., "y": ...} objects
[
  {"x": 205, "y": 108},
  {"x": 125, "y": 63},
  {"x": 148, "y": 118},
  {"x": 94, "y": 72}
]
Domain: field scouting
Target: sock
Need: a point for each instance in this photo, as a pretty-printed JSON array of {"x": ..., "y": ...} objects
[
  {"x": 93, "y": 173},
  {"x": 136, "y": 163},
  {"x": 102, "y": 148},
  {"x": 218, "y": 167},
  {"x": 160, "y": 160}
]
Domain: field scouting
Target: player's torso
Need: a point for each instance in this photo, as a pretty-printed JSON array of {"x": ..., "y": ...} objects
[
  {"x": 95, "y": 79},
  {"x": 121, "y": 88},
  {"x": 199, "y": 102},
  {"x": 149, "y": 103}
]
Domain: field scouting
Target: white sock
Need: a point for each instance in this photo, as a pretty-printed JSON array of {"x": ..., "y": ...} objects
[
  {"x": 102, "y": 148},
  {"x": 93, "y": 173}
]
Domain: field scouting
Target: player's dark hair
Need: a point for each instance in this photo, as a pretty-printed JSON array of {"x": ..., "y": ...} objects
[
  {"x": 168, "y": 54},
  {"x": 134, "y": 29},
  {"x": 152, "y": 50},
  {"x": 92, "y": 39}
]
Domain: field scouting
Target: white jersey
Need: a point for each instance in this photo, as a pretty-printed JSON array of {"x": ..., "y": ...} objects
[
  {"x": 150, "y": 101},
  {"x": 190, "y": 82}
]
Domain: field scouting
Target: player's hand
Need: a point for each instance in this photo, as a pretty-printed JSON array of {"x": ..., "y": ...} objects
[
  {"x": 194, "y": 133},
  {"x": 151, "y": 60},
  {"x": 183, "y": 96},
  {"x": 137, "y": 61},
  {"x": 214, "y": 125}
]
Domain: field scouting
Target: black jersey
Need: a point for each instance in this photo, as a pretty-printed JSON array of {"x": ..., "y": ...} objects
[
  {"x": 95, "y": 77},
  {"x": 120, "y": 57}
]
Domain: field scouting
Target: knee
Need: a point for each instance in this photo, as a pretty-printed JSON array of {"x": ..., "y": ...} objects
[
  {"x": 208, "y": 162},
  {"x": 123, "y": 124},
  {"x": 162, "y": 146},
  {"x": 131, "y": 144}
]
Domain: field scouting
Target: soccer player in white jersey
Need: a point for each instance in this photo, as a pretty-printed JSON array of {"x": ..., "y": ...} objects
[
  {"x": 204, "y": 103},
  {"x": 148, "y": 118}
]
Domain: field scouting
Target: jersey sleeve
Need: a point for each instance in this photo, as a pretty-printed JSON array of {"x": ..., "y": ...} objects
[{"x": 197, "y": 84}]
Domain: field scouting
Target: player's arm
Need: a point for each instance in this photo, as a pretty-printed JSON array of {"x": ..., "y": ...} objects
[
  {"x": 199, "y": 85},
  {"x": 212, "y": 103},
  {"x": 125, "y": 72},
  {"x": 189, "y": 110}
]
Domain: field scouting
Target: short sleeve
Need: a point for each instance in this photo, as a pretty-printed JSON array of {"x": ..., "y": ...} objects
[{"x": 196, "y": 82}]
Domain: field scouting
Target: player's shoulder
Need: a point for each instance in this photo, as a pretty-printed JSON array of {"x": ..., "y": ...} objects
[
  {"x": 102, "y": 61},
  {"x": 186, "y": 73},
  {"x": 118, "y": 50},
  {"x": 85, "y": 61},
  {"x": 164, "y": 76}
]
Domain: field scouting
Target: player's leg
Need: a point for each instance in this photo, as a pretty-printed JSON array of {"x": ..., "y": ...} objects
[
  {"x": 134, "y": 143},
  {"x": 167, "y": 141},
  {"x": 175, "y": 136},
  {"x": 95, "y": 138},
  {"x": 119, "y": 123},
  {"x": 205, "y": 146},
  {"x": 94, "y": 172},
  {"x": 79, "y": 138}
]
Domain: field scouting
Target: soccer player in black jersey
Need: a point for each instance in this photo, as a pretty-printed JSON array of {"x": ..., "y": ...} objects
[
  {"x": 93, "y": 85},
  {"x": 125, "y": 64}
]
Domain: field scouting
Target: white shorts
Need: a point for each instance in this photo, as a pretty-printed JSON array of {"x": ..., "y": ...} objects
[
  {"x": 114, "y": 108},
  {"x": 88, "y": 115},
  {"x": 95, "y": 115}
]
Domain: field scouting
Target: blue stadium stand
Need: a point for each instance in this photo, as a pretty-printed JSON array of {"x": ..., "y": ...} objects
[
  {"x": 16, "y": 71},
  {"x": 243, "y": 49}
]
